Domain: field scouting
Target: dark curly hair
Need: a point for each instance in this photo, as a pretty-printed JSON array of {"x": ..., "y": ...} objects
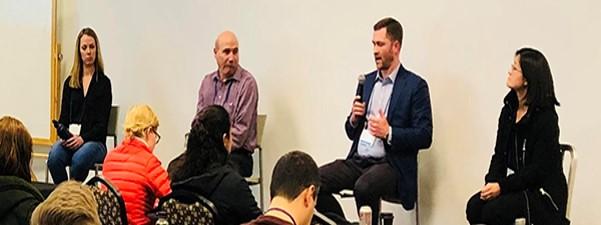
[{"x": 205, "y": 149}]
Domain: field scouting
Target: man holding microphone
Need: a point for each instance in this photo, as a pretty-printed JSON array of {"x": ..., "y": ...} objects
[{"x": 391, "y": 120}]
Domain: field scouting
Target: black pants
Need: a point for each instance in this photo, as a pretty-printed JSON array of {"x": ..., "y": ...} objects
[
  {"x": 369, "y": 182},
  {"x": 502, "y": 210},
  {"x": 507, "y": 207},
  {"x": 242, "y": 161}
]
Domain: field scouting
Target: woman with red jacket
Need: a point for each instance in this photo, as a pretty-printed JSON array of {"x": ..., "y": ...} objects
[{"x": 134, "y": 169}]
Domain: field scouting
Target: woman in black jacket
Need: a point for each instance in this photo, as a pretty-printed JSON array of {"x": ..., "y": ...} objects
[
  {"x": 85, "y": 109},
  {"x": 204, "y": 168},
  {"x": 525, "y": 178}
]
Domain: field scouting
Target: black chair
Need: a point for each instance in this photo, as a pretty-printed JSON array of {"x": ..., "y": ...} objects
[
  {"x": 111, "y": 131},
  {"x": 571, "y": 167},
  {"x": 111, "y": 207},
  {"x": 258, "y": 179},
  {"x": 187, "y": 208}
]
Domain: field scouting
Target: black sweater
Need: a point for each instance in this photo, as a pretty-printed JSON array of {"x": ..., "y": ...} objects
[
  {"x": 91, "y": 111},
  {"x": 531, "y": 149},
  {"x": 224, "y": 187},
  {"x": 19, "y": 199}
]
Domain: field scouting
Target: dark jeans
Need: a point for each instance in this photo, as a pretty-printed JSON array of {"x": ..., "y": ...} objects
[
  {"x": 80, "y": 160},
  {"x": 242, "y": 161},
  {"x": 369, "y": 182},
  {"x": 502, "y": 210}
]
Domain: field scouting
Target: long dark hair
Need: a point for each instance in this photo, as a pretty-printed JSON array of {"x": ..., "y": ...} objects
[
  {"x": 205, "y": 148},
  {"x": 15, "y": 148},
  {"x": 537, "y": 72}
]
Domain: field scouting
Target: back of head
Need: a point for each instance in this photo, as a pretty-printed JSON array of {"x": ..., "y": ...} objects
[
  {"x": 15, "y": 149},
  {"x": 537, "y": 73},
  {"x": 70, "y": 203},
  {"x": 293, "y": 173},
  {"x": 138, "y": 119},
  {"x": 205, "y": 148}
]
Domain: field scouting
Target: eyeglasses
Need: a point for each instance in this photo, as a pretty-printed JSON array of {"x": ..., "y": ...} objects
[{"x": 157, "y": 135}]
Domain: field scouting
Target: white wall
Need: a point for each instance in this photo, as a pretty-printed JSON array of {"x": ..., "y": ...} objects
[
  {"x": 306, "y": 56},
  {"x": 25, "y": 53}
]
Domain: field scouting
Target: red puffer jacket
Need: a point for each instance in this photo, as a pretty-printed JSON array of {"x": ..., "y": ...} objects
[{"x": 137, "y": 173}]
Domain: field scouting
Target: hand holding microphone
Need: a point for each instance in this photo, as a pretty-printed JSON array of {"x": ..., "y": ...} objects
[{"x": 358, "y": 109}]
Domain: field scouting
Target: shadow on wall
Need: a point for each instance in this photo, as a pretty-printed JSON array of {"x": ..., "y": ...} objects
[
  {"x": 279, "y": 136},
  {"x": 448, "y": 136}
]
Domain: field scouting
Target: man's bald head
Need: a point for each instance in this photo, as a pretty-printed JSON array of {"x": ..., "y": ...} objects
[
  {"x": 226, "y": 37},
  {"x": 226, "y": 54}
]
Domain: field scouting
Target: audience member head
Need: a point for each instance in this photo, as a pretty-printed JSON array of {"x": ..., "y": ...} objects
[
  {"x": 209, "y": 142},
  {"x": 141, "y": 122},
  {"x": 295, "y": 184},
  {"x": 69, "y": 204},
  {"x": 226, "y": 54},
  {"x": 87, "y": 54},
  {"x": 531, "y": 72},
  {"x": 15, "y": 149}
]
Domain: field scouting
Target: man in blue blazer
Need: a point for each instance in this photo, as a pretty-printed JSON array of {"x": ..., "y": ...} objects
[{"x": 389, "y": 123}]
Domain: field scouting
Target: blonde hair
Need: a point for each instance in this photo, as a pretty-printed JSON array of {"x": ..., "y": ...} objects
[
  {"x": 78, "y": 64},
  {"x": 15, "y": 148},
  {"x": 138, "y": 119},
  {"x": 70, "y": 203}
]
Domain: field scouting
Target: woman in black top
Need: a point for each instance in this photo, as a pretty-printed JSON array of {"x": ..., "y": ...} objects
[
  {"x": 85, "y": 109},
  {"x": 204, "y": 168},
  {"x": 525, "y": 178}
]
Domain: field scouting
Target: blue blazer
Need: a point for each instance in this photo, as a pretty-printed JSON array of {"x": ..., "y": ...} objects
[{"x": 410, "y": 116}]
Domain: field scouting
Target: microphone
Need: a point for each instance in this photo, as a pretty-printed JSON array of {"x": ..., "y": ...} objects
[{"x": 361, "y": 81}]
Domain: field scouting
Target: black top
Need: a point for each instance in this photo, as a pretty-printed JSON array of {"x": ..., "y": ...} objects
[
  {"x": 225, "y": 188},
  {"x": 531, "y": 149},
  {"x": 19, "y": 199},
  {"x": 91, "y": 111}
]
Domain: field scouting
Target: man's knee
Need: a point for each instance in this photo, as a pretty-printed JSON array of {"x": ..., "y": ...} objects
[
  {"x": 363, "y": 190},
  {"x": 326, "y": 173}
]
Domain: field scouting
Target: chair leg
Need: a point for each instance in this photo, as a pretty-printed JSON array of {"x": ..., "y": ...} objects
[
  {"x": 261, "y": 180},
  {"x": 97, "y": 168},
  {"x": 416, "y": 212},
  {"x": 47, "y": 172}
]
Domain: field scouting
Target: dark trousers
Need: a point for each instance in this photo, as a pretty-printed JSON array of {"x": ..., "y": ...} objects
[
  {"x": 502, "y": 210},
  {"x": 242, "y": 161},
  {"x": 369, "y": 182}
]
